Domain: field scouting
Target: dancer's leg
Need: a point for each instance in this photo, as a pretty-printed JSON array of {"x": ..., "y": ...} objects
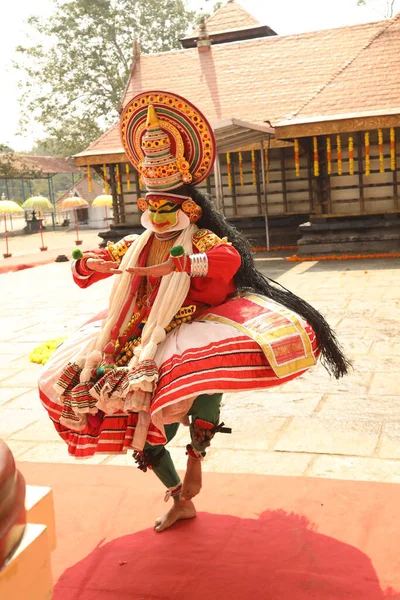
[
  {"x": 204, "y": 413},
  {"x": 204, "y": 416},
  {"x": 160, "y": 461}
]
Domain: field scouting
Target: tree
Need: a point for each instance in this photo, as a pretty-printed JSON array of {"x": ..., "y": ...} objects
[
  {"x": 5, "y": 148},
  {"x": 77, "y": 68},
  {"x": 68, "y": 138},
  {"x": 12, "y": 166},
  {"x": 386, "y": 8}
]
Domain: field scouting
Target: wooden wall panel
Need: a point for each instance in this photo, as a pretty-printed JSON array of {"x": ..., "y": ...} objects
[{"x": 288, "y": 194}]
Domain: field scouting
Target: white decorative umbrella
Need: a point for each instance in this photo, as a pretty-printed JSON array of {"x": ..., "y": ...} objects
[
  {"x": 8, "y": 207},
  {"x": 72, "y": 203},
  {"x": 103, "y": 200},
  {"x": 41, "y": 204}
]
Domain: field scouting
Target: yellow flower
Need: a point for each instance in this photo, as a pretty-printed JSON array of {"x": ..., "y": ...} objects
[{"x": 42, "y": 353}]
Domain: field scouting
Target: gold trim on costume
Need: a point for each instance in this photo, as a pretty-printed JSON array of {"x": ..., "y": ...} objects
[
  {"x": 204, "y": 240},
  {"x": 118, "y": 250},
  {"x": 266, "y": 330}
]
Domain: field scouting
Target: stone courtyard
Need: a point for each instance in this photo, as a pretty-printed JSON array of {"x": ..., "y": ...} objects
[{"x": 314, "y": 426}]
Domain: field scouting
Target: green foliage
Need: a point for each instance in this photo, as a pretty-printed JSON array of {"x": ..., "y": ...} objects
[
  {"x": 68, "y": 137},
  {"x": 11, "y": 166},
  {"x": 207, "y": 14},
  {"x": 5, "y": 148},
  {"x": 217, "y": 6},
  {"x": 386, "y": 8},
  {"x": 76, "y": 70}
]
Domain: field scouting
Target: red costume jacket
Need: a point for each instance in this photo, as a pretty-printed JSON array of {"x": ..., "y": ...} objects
[{"x": 212, "y": 290}]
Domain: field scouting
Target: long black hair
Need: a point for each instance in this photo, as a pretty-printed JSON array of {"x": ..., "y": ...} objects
[{"x": 249, "y": 279}]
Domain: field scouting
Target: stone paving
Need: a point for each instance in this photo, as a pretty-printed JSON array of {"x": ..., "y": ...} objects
[{"x": 314, "y": 426}]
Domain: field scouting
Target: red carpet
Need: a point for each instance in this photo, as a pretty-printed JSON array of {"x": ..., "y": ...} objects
[
  {"x": 18, "y": 265},
  {"x": 256, "y": 537}
]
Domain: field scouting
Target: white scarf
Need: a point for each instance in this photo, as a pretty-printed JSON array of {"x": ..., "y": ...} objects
[{"x": 170, "y": 297}]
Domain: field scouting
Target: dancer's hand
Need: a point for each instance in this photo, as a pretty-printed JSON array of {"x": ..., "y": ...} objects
[
  {"x": 102, "y": 266},
  {"x": 160, "y": 270}
]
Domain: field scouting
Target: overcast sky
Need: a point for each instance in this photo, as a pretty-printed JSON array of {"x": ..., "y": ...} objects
[{"x": 284, "y": 16}]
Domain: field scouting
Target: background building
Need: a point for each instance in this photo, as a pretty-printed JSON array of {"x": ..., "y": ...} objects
[{"x": 307, "y": 127}]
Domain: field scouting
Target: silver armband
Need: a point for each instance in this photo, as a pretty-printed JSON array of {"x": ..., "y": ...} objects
[
  {"x": 75, "y": 272},
  {"x": 198, "y": 265}
]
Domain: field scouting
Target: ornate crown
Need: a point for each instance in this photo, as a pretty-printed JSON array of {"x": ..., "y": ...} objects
[{"x": 168, "y": 140}]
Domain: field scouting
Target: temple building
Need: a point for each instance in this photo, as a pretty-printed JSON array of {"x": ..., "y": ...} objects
[{"x": 307, "y": 129}]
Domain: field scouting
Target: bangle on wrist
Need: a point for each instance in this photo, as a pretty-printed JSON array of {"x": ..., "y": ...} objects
[{"x": 198, "y": 265}]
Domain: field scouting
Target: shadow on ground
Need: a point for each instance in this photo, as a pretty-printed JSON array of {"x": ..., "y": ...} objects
[{"x": 279, "y": 556}]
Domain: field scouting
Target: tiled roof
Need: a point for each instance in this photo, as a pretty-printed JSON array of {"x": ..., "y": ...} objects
[
  {"x": 108, "y": 143},
  {"x": 230, "y": 16},
  {"x": 257, "y": 80},
  {"x": 81, "y": 188},
  {"x": 49, "y": 165},
  {"x": 369, "y": 83},
  {"x": 277, "y": 78}
]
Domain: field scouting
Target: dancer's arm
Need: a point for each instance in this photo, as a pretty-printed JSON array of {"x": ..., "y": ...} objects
[
  {"x": 100, "y": 263},
  {"x": 212, "y": 271}
]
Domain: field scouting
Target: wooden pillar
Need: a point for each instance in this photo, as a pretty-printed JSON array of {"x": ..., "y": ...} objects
[
  {"x": 219, "y": 193},
  {"x": 313, "y": 207},
  {"x": 51, "y": 196},
  {"x": 319, "y": 187},
  {"x": 100, "y": 172},
  {"x": 118, "y": 199},
  {"x": 264, "y": 182},
  {"x": 283, "y": 176},
  {"x": 208, "y": 185},
  {"x": 324, "y": 180},
  {"x": 395, "y": 177},
  {"x": 234, "y": 199},
  {"x": 258, "y": 184},
  {"x": 138, "y": 190},
  {"x": 360, "y": 171},
  {"x": 137, "y": 186}
]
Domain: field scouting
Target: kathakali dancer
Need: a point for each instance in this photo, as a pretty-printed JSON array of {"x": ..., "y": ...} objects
[{"x": 189, "y": 316}]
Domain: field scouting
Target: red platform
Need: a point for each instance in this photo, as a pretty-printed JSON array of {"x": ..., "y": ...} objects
[{"x": 256, "y": 537}]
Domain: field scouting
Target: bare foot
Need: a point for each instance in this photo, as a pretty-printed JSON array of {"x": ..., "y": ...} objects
[
  {"x": 181, "y": 509},
  {"x": 192, "y": 482}
]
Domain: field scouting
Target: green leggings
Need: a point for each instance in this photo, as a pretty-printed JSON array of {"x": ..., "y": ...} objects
[{"x": 206, "y": 407}]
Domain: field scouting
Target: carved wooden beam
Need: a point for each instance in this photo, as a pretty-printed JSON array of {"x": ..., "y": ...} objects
[
  {"x": 336, "y": 126},
  {"x": 101, "y": 159}
]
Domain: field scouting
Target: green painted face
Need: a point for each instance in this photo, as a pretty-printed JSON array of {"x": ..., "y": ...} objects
[{"x": 163, "y": 214}]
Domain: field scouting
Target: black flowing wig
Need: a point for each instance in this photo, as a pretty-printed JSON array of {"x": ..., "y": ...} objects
[{"x": 249, "y": 279}]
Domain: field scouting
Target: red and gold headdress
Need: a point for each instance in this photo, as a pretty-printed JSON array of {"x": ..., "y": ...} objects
[{"x": 170, "y": 143}]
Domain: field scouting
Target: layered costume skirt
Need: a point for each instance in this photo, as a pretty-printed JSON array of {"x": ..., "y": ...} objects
[{"x": 247, "y": 343}]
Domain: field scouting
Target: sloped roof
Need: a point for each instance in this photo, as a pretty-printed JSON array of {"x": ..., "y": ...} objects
[
  {"x": 277, "y": 78},
  {"x": 81, "y": 189},
  {"x": 230, "y": 16},
  {"x": 258, "y": 80},
  {"x": 108, "y": 143},
  {"x": 49, "y": 165},
  {"x": 368, "y": 84}
]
